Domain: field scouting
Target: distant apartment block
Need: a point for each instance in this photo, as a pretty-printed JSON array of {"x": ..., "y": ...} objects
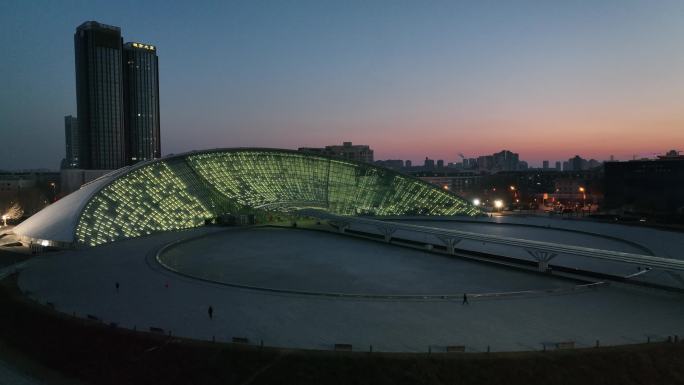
[
  {"x": 349, "y": 151},
  {"x": 577, "y": 163},
  {"x": 395, "y": 164},
  {"x": 500, "y": 161}
]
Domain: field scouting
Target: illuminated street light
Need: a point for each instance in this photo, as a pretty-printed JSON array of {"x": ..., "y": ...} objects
[
  {"x": 512, "y": 188},
  {"x": 476, "y": 202},
  {"x": 581, "y": 189},
  {"x": 498, "y": 203}
]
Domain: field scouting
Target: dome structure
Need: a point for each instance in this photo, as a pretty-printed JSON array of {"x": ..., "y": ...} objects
[{"x": 188, "y": 190}]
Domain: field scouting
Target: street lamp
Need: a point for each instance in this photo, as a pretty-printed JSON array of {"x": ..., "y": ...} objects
[
  {"x": 476, "y": 202},
  {"x": 498, "y": 204},
  {"x": 584, "y": 198},
  {"x": 514, "y": 190}
]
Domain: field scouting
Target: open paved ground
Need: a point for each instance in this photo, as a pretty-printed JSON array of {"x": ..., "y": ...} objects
[
  {"x": 324, "y": 262},
  {"x": 82, "y": 281}
]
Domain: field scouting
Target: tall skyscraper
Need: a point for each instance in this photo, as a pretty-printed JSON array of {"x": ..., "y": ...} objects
[
  {"x": 71, "y": 138},
  {"x": 141, "y": 102},
  {"x": 117, "y": 92},
  {"x": 99, "y": 96}
]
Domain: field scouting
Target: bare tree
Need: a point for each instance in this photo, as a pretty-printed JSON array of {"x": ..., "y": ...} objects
[{"x": 14, "y": 212}]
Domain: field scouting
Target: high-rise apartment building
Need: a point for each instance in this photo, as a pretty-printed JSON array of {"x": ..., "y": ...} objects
[
  {"x": 72, "y": 142},
  {"x": 141, "y": 102},
  {"x": 117, "y": 92}
]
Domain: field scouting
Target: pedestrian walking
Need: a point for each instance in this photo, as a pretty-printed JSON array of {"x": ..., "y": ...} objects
[
  {"x": 116, "y": 285},
  {"x": 465, "y": 299},
  {"x": 211, "y": 312}
]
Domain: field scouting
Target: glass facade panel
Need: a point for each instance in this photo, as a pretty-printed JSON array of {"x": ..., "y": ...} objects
[{"x": 186, "y": 190}]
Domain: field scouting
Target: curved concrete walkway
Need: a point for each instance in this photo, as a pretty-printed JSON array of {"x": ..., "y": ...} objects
[{"x": 661, "y": 243}]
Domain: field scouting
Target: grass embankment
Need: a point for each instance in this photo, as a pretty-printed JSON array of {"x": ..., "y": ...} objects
[
  {"x": 99, "y": 354},
  {"x": 8, "y": 258}
]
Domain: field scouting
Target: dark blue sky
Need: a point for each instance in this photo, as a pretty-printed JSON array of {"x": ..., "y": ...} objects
[{"x": 548, "y": 79}]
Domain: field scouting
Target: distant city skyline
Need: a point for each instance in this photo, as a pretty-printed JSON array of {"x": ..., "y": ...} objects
[{"x": 546, "y": 80}]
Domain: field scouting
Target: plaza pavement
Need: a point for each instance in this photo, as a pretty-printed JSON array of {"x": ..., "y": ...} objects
[{"x": 82, "y": 282}]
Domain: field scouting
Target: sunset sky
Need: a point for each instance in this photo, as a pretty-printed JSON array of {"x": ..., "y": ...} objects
[{"x": 546, "y": 79}]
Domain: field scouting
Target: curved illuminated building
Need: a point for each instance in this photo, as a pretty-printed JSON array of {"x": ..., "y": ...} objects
[{"x": 191, "y": 189}]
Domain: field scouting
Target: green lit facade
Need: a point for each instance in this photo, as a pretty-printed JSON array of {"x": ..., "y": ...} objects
[{"x": 185, "y": 191}]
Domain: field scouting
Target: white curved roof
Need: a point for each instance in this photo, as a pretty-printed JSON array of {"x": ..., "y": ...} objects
[{"x": 58, "y": 221}]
